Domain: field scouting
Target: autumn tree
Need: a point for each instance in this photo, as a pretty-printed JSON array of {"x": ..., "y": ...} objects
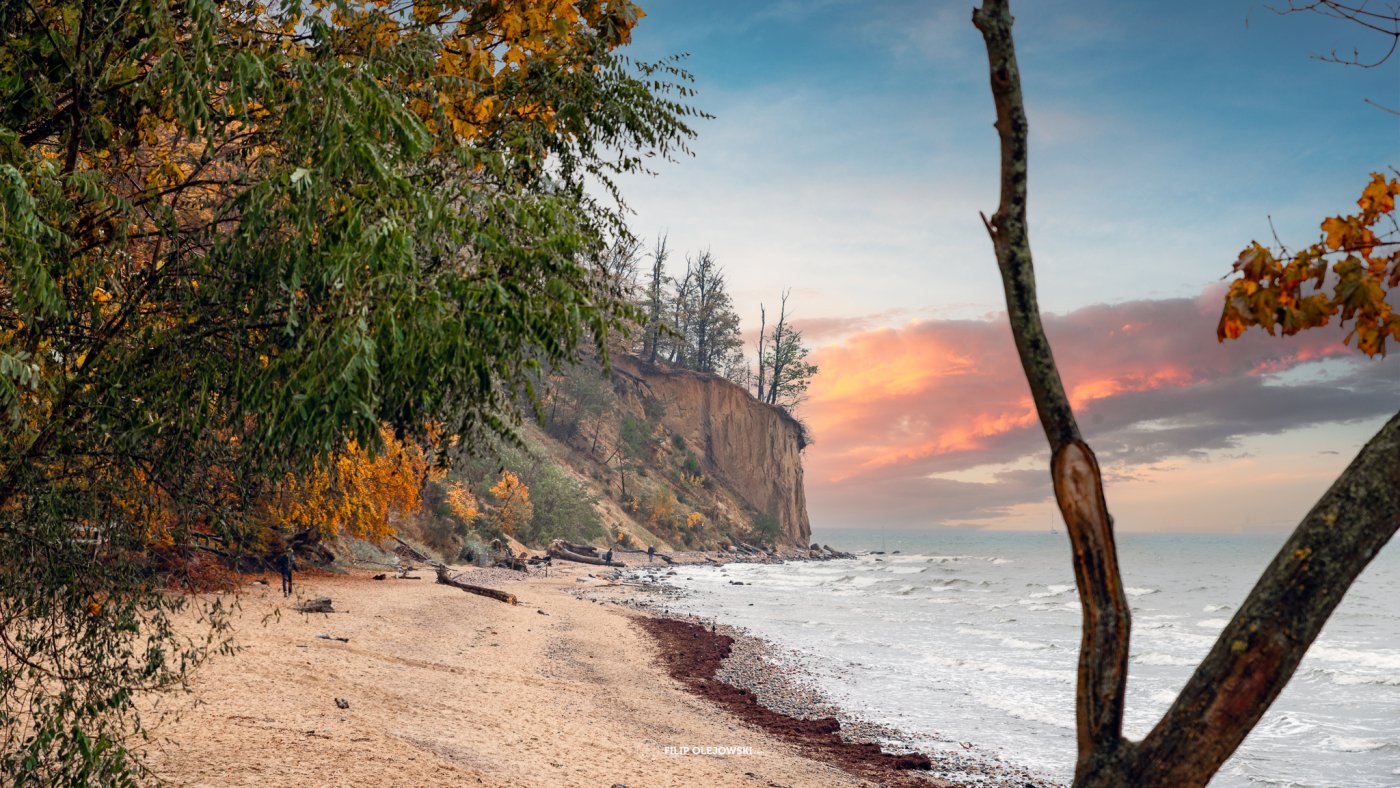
[
  {"x": 353, "y": 492},
  {"x": 513, "y": 507},
  {"x": 235, "y": 240},
  {"x": 1259, "y": 650},
  {"x": 783, "y": 371}
]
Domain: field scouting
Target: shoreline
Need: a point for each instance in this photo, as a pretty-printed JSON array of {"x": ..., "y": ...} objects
[
  {"x": 585, "y": 682},
  {"x": 758, "y": 673}
]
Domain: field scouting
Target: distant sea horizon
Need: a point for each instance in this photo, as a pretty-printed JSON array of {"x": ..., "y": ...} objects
[{"x": 972, "y": 635}]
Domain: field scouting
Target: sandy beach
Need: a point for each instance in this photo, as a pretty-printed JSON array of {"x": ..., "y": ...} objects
[{"x": 445, "y": 687}]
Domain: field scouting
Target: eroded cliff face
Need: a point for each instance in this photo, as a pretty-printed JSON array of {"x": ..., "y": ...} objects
[{"x": 751, "y": 450}]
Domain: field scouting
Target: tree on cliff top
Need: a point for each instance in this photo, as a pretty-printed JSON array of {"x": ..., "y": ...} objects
[
  {"x": 1261, "y": 647},
  {"x": 783, "y": 370},
  {"x": 236, "y": 238}
]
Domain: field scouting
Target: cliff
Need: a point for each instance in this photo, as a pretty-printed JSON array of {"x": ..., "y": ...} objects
[
  {"x": 753, "y": 450},
  {"x": 675, "y": 458}
]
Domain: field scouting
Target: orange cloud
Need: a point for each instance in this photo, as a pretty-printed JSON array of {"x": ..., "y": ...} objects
[{"x": 1147, "y": 379}]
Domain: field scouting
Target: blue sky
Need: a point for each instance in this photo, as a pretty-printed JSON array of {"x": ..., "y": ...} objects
[{"x": 852, "y": 150}]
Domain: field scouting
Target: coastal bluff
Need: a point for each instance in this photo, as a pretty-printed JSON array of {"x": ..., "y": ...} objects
[{"x": 753, "y": 451}]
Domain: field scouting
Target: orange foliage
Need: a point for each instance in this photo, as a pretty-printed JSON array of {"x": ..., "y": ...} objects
[
  {"x": 354, "y": 493},
  {"x": 515, "y": 508},
  {"x": 1288, "y": 293},
  {"x": 461, "y": 502}
]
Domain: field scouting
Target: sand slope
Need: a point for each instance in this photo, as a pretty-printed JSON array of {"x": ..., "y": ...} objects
[{"x": 448, "y": 688}]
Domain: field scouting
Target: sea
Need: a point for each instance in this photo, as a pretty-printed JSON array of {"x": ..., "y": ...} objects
[{"x": 972, "y": 636}]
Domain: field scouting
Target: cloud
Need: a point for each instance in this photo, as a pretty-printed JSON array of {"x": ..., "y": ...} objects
[{"x": 932, "y": 421}]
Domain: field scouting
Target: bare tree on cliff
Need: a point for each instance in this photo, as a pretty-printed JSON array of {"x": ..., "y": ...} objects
[
  {"x": 783, "y": 370},
  {"x": 1261, "y": 647},
  {"x": 651, "y": 333},
  {"x": 704, "y": 333}
]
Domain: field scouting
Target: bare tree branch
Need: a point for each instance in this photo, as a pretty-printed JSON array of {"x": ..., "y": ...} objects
[{"x": 1103, "y": 652}]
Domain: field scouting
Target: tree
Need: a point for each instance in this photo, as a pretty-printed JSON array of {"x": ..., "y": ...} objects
[
  {"x": 354, "y": 492},
  {"x": 703, "y": 333},
  {"x": 783, "y": 370},
  {"x": 1260, "y": 648},
  {"x": 514, "y": 509},
  {"x": 651, "y": 330},
  {"x": 236, "y": 240}
]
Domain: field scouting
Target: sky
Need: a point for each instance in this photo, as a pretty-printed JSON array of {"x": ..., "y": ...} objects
[{"x": 850, "y": 153}]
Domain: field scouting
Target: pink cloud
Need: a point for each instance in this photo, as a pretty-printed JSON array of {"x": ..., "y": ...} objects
[{"x": 1147, "y": 379}]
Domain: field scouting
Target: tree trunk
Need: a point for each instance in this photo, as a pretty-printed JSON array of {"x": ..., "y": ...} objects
[
  {"x": 445, "y": 577},
  {"x": 1261, "y": 647}
]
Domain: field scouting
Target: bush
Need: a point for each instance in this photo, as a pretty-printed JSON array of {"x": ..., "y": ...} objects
[
  {"x": 654, "y": 409},
  {"x": 635, "y": 435},
  {"x": 563, "y": 509},
  {"x": 766, "y": 529}
]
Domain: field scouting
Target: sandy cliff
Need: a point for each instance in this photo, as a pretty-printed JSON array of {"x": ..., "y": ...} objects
[{"x": 752, "y": 451}]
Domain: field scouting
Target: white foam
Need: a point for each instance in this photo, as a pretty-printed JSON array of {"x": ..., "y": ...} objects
[
  {"x": 1024, "y": 645},
  {"x": 1131, "y": 591},
  {"x": 1153, "y": 658},
  {"x": 1213, "y": 623},
  {"x": 1164, "y": 697},
  {"x": 1381, "y": 660},
  {"x": 1215, "y": 608},
  {"x": 1051, "y": 591},
  {"x": 1283, "y": 725},
  {"x": 1355, "y": 743}
]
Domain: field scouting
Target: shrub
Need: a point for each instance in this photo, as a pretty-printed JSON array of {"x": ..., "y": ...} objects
[{"x": 563, "y": 509}]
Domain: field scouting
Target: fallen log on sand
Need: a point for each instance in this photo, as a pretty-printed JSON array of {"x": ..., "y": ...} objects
[
  {"x": 445, "y": 577},
  {"x": 568, "y": 555},
  {"x": 662, "y": 556},
  {"x": 412, "y": 552},
  {"x": 319, "y": 605}
]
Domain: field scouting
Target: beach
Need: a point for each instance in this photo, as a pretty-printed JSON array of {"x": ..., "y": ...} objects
[{"x": 445, "y": 687}]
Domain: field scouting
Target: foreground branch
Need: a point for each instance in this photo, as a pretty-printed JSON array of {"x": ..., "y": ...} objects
[
  {"x": 1260, "y": 649},
  {"x": 1103, "y": 651}
]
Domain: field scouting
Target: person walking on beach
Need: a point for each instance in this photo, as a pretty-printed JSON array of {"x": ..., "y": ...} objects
[
  {"x": 607, "y": 557},
  {"x": 286, "y": 562},
  {"x": 651, "y": 552}
]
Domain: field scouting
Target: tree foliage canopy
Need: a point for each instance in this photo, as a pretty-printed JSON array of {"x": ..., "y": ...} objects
[
  {"x": 1348, "y": 274},
  {"x": 236, "y": 239}
]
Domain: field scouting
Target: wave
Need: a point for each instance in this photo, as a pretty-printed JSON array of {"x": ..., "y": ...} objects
[
  {"x": 1213, "y": 623},
  {"x": 1216, "y": 608},
  {"x": 1283, "y": 725},
  {"x": 1380, "y": 660},
  {"x": 1341, "y": 679},
  {"x": 1358, "y": 744},
  {"x": 1153, "y": 658},
  {"x": 1131, "y": 591},
  {"x": 1051, "y": 591}
]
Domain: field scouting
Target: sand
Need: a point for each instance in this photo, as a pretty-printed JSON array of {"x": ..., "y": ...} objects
[{"x": 448, "y": 688}]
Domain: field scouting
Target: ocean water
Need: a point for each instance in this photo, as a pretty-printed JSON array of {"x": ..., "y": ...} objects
[{"x": 974, "y": 636}]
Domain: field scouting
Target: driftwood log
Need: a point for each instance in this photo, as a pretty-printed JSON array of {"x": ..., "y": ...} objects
[
  {"x": 511, "y": 563},
  {"x": 557, "y": 550},
  {"x": 318, "y": 605},
  {"x": 410, "y": 551},
  {"x": 444, "y": 576},
  {"x": 662, "y": 556}
]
